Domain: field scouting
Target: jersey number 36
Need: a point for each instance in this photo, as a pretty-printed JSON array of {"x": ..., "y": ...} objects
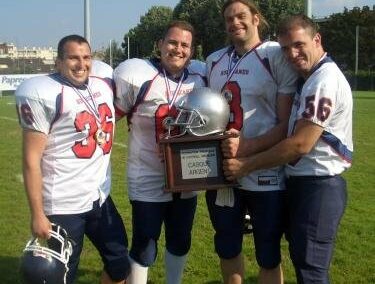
[{"x": 86, "y": 148}]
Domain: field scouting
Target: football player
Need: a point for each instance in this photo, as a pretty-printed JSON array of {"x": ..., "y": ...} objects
[
  {"x": 318, "y": 149},
  {"x": 146, "y": 93},
  {"x": 261, "y": 84},
  {"x": 68, "y": 124}
]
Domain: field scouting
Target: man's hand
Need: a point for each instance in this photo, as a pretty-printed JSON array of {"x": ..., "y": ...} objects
[
  {"x": 40, "y": 227},
  {"x": 234, "y": 168},
  {"x": 230, "y": 146}
]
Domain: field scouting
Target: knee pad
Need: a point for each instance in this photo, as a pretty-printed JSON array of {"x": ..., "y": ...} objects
[
  {"x": 144, "y": 252},
  {"x": 179, "y": 245},
  {"x": 118, "y": 270},
  {"x": 228, "y": 246}
]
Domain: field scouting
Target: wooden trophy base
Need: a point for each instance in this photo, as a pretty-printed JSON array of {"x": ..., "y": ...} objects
[{"x": 194, "y": 163}]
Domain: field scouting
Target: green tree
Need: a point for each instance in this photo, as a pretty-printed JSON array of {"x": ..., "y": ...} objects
[
  {"x": 274, "y": 10},
  {"x": 114, "y": 55},
  {"x": 206, "y": 17},
  {"x": 143, "y": 38},
  {"x": 339, "y": 36}
]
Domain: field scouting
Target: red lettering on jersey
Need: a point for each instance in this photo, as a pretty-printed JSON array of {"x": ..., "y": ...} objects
[
  {"x": 86, "y": 121},
  {"x": 322, "y": 111},
  {"x": 107, "y": 126},
  {"x": 26, "y": 114}
]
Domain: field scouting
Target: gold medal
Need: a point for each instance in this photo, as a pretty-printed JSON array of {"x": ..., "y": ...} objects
[{"x": 100, "y": 137}]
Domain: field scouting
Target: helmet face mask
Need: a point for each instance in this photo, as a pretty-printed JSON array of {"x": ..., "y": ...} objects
[
  {"x": 46, "y": 261},
  {"x": 200, "y": 113}
]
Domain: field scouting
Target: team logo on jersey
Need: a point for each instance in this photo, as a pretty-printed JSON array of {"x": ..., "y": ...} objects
[
  {"x": 237, "y": 71},
  {"x": 268, "y": 180}
]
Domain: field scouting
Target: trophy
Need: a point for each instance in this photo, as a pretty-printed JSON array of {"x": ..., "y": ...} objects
[{"x": 192, "y": 156}]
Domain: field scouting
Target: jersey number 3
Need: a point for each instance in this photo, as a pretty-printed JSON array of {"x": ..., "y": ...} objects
[{"x": 236, "y": 111}]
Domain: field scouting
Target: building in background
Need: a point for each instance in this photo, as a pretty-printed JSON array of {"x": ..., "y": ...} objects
[{"x": 26, "y": 60}]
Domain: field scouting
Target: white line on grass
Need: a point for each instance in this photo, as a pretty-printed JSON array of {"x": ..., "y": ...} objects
[
  {"x": 120, "y": 144},
  {"x": 8, "y": 118},
  {"x": 19, "y": 177}
]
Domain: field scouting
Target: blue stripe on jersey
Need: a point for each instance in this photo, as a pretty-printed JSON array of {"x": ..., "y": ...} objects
[
  {"x": 337, "y": 146},
  {"x": 326, "y": 59},
  {"x": 300, "y": 83},
  {"x": 140, "y": 97},
  {"x": 58, "y": 108},
  {"x": 266, "y": 64}
]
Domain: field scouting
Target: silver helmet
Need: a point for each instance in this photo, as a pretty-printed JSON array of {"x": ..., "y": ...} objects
[{"x": 201, "y": 112}]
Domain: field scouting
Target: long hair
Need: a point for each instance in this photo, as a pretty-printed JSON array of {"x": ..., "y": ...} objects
[{"x": 254, "y": 10}]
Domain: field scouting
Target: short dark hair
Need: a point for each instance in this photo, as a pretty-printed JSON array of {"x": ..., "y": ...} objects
[
  {"x": 75, "y": 38},
  {"x": 254, "y": 10},
  {"x": 297, "y": 21},
  {"x": 183, "y": 25}
]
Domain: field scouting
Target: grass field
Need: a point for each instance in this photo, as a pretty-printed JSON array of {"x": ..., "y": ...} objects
[{"x": 354, "y": 259}]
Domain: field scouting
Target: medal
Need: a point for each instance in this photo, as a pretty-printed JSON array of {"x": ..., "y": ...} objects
[
  {"x": 233, "y": 63},
  {"x": 167, "y": 123},
  {"x": 228, "y": 95},
  {"x": 172, "y": 97},
  {"x": 100, "y": 137}
]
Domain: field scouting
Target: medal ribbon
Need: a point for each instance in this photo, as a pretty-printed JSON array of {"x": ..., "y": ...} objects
[
  {"x": 93, "y": 108},
  {"x": 231, "y": 69},
  {"x": 172, "y": 99}
]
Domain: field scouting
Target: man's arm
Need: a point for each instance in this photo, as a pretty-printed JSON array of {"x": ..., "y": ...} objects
[
  {"x": 243, "y": 147},
  {"x": 303, "y": 140},
  {"x": 33, "y": 146}
]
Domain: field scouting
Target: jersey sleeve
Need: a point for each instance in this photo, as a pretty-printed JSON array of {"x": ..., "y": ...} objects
[
  {"x": 197, "y": 67},
  {"x": 125, "y": 97},
  {"x": 210, "y": 61},
  {"x": 34, "y": 111},
  {"x": 285, "y": 76},
  {"x": 101, "y": 69},
  {"x": 318, "y": 100}
]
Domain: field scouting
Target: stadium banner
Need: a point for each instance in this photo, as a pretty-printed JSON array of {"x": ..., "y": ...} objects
[{"x": 11, "y": 82}]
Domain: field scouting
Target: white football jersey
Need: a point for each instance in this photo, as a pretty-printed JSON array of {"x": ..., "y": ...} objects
[
  {"x": 326, "y": 100},
  {"x": 254, "y": 81},
  {"x": 76, "y": 170},
  {"x": 101, "y": 69},
  {"x": 142, "y": 94}
]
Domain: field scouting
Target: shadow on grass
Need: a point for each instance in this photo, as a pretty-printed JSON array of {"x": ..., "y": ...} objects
[
  {"x": 10, "y": 272},
  {"x": 250, "y": 280},
  {"x": 9, "y": 267}
]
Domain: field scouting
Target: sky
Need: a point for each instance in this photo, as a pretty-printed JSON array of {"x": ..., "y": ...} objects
[{"x": 41, "y": 23}]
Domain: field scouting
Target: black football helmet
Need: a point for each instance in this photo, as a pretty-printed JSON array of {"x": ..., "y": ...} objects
[{"x": 46, "y": 263}]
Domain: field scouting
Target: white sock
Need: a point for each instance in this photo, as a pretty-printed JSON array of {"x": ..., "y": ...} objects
[
  {"x": 138, "y": 273},
  {"x": 174, "y": 266}
]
